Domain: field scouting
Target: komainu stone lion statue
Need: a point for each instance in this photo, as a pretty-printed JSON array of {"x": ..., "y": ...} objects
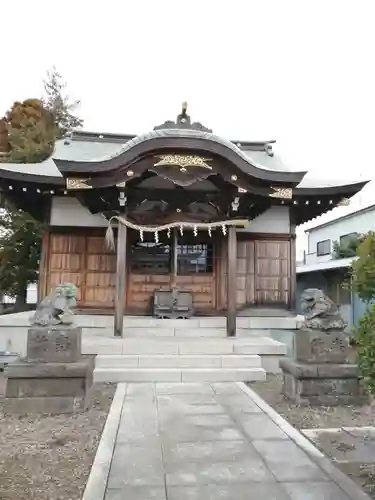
[
  {"x": 56, "y": 308},
  {"x": 321, "y": 313}
]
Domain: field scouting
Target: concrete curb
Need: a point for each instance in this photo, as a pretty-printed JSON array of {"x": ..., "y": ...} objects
[
  {"x": 97, "y": 481},
  {"x": 342, "y": 480}
]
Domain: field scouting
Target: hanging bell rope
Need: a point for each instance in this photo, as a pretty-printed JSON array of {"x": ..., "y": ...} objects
[{"x": 110, "y": 237}]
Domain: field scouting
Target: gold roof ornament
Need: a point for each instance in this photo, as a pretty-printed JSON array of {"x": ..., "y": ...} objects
[
  {"x": 73, "y": 183},
  {"x": 182, "y": 161},
  {"x": 282, "y": 193},
  {"x": 345, "y": 202}
]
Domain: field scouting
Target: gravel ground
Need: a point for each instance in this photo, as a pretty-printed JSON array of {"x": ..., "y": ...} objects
[
  {"x": 312, "y": 417},
  {"x": 308, "y": 417},
  {"x": 50, "y": 457}
]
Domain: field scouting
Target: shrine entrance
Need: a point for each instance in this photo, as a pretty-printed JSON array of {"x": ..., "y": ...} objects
[{"x": 185, "y": 261}]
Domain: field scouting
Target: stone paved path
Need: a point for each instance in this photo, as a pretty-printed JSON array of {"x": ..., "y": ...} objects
[{"x": 207, "y": 442}]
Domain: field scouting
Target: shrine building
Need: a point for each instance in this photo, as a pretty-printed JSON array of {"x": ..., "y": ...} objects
[{"x": 178, "y": 209}]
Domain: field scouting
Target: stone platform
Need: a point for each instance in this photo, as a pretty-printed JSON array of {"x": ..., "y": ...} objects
[
  {"x": 207, "y": 442},
  {"x": 158, "y": 350},
  {"x": 47, "y": 388}
]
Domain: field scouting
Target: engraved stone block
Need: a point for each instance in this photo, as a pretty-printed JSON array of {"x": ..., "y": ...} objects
[
  {"x": 314, "y": 346},
  {"x": 56, "y": 344}
]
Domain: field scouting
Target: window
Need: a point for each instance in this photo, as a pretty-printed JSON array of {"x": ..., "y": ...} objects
[
  {"x": 323, "y": 248},
  {"x": 155, "y": 258},
  {"x": 347, "y": 239},
  {"x": 150, "y": 257},
  {"x": 194, "y": 259}
]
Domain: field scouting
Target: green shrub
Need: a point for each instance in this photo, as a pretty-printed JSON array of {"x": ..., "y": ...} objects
[
  {"x": 363, "y": 283},
  {"x": 365, "y": 343}
]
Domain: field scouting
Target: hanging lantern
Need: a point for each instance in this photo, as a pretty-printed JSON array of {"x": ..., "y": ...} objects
[
  {"x": 156, "y": 235},
  {"x": 195, "y": 231},
  {"x": 224, "y": 229},
  {"x": 181, "y": 230},
  {"x": 209, "y": 232},
  {"x": 141, "y": 234}
]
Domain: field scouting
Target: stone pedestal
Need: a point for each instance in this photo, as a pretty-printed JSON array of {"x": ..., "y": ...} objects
[
  {"x": 54, "y": 377},
  {"x": 321, "y": 374}
]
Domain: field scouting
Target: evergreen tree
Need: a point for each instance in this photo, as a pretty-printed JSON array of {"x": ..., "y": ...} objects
[
  {"x": 58, "y": 103},
  {"x": 20, "y": 245},
  {"x": 27, "y": 135}
]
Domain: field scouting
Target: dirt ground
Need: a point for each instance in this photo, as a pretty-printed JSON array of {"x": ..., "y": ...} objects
[{"x": 50, "y": 457}]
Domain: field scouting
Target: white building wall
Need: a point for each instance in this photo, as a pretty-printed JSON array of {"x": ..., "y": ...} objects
[
  {"x": 273, "y": 220},
  {"x": 67, "y": 211},
  {"x": 356, "y": 223}
]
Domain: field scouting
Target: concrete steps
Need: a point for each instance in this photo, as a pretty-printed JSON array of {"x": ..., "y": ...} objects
[
  {"x": 151, "y": 349},
  {"x": 183, "y": 345},
  {"x": 167, "y": 331},
  {"x": 178, "y": 361},
  {"x": 178, "y": 374},
  {"x": 184, "y": 359},
  {"x": 194, "y": 327}
]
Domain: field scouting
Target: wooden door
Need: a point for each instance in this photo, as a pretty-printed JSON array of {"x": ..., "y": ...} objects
[
  {"x": 100, "y": 274},
  {"x": 66, "y": 262},
  {"x": 84, "y": 260},
  {"x": 272, "y": 272}
]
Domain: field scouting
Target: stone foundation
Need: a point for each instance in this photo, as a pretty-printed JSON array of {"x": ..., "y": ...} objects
[
  {"x": 314, "y": 384},
  {"x": 54, "y": 378},
  {"x": 321, "y": 373}
]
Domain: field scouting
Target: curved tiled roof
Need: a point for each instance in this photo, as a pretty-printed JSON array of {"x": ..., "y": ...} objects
[
  {"x": 46, "y": 168},
  {"x": 157, "y": 140},
  {"x": 99, "y": 149}
]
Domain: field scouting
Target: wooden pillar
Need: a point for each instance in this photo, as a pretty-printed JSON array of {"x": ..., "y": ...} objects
[
  {"x": 232, "y": 282},
  {"x": 120, "y": 279},
  {"x": 292, "y": 262},
  {"x": 173, "y": 248},
  {"x": 43, "y": 267}
]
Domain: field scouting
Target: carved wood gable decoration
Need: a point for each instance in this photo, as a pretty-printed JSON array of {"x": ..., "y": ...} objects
[
  {"x": 182, "y": 170},
  {"x": 282, "y": 193},
  {"x": 76, "y": 184}
]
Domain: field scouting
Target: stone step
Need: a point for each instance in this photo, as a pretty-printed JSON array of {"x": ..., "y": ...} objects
[
  {"x": 107, "y": 321},
  {"x": 168, "y": 331},
  {"x": 178, "y": 361},
  {"x": 117, "y": 375},
  {"x": 260, "y": 323},
  {"x": 182, "y": 345}
]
